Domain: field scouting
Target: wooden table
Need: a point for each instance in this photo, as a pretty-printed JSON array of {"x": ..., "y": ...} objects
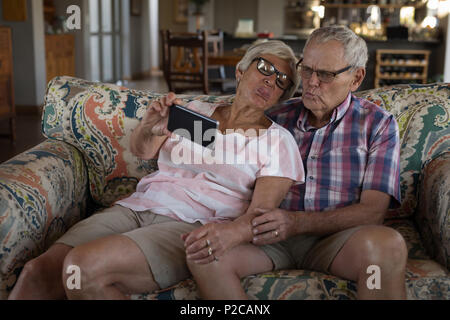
[{"x": 229, "y": 58}]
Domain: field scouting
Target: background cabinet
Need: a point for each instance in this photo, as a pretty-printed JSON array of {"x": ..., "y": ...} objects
[
  {"x": 60, "y": 55},
  {"x": 7, "y": 107},
  {"x": 401, "y": 66}
]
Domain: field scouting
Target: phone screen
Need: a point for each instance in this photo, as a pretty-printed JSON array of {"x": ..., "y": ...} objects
[{"x": 192, "y": 125}]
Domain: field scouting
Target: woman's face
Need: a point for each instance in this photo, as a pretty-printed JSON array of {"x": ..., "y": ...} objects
[{"x": 257, "y": 89}]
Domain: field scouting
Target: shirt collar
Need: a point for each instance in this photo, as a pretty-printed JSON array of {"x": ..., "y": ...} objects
[{"x": 337, "y": 114}]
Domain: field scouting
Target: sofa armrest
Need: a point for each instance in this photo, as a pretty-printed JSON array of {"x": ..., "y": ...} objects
[
  {"x": 433, "y": 214},
  {"x": 43, "y": 192}
]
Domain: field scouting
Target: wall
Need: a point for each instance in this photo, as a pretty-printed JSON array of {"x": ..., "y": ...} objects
[
  {"x": 228, "y": 12},
  {"x": 28, "y": 48},
  {"x": 270, "y": 17}
]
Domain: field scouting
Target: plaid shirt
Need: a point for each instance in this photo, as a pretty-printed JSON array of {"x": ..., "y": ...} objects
[{"x": 359, "y": 149}]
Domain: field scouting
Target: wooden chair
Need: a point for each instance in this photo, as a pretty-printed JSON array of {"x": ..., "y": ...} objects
[
  {"x": 185, "y": 61},
  {"x": 7, "y": 105},
  {"x": 217, "y": 74}
]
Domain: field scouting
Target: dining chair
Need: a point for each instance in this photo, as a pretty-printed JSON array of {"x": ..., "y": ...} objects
[
  {"x": 217, "y": 72},
  {"x": 185, "y": 61}
]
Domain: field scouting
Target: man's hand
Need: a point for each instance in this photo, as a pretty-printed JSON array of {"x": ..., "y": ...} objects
[
  {"x": 274, "y": 225},
  {"x": 210, "y": 241}
]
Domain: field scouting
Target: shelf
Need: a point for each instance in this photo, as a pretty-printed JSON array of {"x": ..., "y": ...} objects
[
  {"x": 418, "y": 59},
  {"x": 390, "y": 77},
  {"x": 383, "y": 64},
  {"x": 366, "y": 5}
]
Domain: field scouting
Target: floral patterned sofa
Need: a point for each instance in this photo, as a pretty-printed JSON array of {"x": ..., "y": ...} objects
[{"x": 86, "y": 163}]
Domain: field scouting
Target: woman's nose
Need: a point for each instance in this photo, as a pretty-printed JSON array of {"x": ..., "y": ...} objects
[{"x": 270, "y": 80}]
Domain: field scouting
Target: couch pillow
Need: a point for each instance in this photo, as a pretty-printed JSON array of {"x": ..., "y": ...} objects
[
  {"x": 98, "y": 119},
  {"x": 423, "y": 115}
]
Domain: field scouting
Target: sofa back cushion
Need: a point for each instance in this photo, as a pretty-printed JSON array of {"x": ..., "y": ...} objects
[
  {"x": 98, "y": 119},
  {"x": 423, "y": 115}
]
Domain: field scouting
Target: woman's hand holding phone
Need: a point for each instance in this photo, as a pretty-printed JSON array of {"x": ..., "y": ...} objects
[{"x": 157, "y": 115}]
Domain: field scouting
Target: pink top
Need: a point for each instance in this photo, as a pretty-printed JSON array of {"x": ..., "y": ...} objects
[{"x": 194, "y": 183}]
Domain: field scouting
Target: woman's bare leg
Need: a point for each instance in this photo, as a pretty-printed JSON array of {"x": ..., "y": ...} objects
[
  {"x": 111, "y": 268},
  {"x": 41, "y": 276},
  {"x": 222, "y": 279}
]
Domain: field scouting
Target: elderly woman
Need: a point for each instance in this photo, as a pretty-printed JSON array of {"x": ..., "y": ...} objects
[{"x": 138, "y": 245}]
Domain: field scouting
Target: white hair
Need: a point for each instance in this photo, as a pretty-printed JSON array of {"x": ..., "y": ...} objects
[
  {"x": 276, "y": 48},
  {"x": 355, "y": 48}
]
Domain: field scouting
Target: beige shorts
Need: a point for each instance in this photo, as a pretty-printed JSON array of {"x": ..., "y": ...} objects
[
  {"x": 308, "y": 252},
  {"x": 156, "y": 235}
]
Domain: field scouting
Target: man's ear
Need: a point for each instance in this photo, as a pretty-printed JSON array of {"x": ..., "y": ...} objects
[
  {"x": 239, "y": 75},
  {"x": 358, "y": 77}
]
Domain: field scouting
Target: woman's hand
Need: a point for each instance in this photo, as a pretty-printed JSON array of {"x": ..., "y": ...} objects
[
  {"x": 274, "y": 225},
  {"x": 148, "y": 137},
  {"x": 210, "y": 241},
  {"x": 157, "y": 115}
]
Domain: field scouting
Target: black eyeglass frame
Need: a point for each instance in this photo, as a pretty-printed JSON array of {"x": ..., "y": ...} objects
[
  {"x": 276, "y": 71},
  {"x": 334, "y": 73}
]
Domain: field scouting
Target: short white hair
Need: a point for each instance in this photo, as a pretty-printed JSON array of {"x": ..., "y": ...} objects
[
  {"x": 355, "y": 48},
  {"x": 276, "y": 48}
]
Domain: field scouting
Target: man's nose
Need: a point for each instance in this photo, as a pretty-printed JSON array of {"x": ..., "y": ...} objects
[{"x": 314, "y": 79}]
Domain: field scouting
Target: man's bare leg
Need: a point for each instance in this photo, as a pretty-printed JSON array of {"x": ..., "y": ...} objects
[
  {"x": 222, "y": 279},
  {"x": 41, "y": 276},
  {"x": 374, "y": 245}
]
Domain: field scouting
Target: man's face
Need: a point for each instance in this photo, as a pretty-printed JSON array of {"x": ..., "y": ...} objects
[
  {"x": 320, "y": 97},
  {"x": 258, "y": 89}
]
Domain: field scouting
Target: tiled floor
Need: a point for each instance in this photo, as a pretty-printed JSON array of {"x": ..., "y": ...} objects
[{"x": 28, "y": 126}]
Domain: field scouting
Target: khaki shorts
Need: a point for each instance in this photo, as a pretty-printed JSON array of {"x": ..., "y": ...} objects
[
  {"x": 156, "y": 235},
  {"x": 308, "y": 252}
]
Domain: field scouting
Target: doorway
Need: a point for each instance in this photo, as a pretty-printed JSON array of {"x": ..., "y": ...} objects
[{"x": 105, "y": 41}]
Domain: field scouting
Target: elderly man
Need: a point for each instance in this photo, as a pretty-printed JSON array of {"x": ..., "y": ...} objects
[{"x": 350, "y": 150}]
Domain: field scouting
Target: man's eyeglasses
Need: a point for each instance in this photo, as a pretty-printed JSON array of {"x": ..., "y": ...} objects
[
  {"x": 267, "y": 68},
  {"x": 324, "y": 76}
]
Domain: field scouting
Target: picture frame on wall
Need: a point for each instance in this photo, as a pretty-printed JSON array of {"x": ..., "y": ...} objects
[
  {"x": 135, "y": 7},
  {"x": 181, "y": 11}
]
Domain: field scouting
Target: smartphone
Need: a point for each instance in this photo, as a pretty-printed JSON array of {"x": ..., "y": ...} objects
[{"x": 192, "y": 125}]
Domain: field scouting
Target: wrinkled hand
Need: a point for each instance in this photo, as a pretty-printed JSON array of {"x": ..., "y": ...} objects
[
  {"x": 273, "y": 226},
  {"x": 209, "y": 242},
  {"x": 157, "y": 115}
]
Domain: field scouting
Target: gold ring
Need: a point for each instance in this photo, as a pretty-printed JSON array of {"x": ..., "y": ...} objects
[{"x": 210, "y": 251}]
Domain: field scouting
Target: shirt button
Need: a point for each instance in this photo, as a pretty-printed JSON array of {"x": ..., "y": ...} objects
[
  {"x": 314, "y": 157},
  {"x": 311, "y": 178}
]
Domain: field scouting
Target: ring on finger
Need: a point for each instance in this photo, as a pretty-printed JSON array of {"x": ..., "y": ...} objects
[
  {"x": 275, "y": 233},
  {"x": 210, "y": 251},
  {"x": 208, "y": 243}
]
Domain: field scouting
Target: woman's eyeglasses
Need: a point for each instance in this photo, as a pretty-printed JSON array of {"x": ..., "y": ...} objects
[
  {"x": 267, "y": 68},
  {"x": 324, "y": 76}
]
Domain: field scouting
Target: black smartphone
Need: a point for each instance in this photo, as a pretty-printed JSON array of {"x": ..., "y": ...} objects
[{"x": 192, "y": 125}]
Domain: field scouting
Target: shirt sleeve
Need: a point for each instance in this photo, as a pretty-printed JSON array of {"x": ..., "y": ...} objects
[
  {"x": 282, "y": 156},
  {"x": 383, "y": 164}
]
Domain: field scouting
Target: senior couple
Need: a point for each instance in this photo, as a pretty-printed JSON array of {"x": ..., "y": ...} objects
[{"x": 321, "y": 209}]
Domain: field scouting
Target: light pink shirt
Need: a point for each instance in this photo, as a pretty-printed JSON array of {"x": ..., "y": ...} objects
[{"x": 194, "y": 183}]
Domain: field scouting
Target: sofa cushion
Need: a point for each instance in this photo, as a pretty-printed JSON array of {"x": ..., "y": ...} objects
[
  {"x": 425, "y": 279},
  {"x": 433, "y": 216},
  {"x": 423, "y": 115},
  {"x": 98, "y": 119}
]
